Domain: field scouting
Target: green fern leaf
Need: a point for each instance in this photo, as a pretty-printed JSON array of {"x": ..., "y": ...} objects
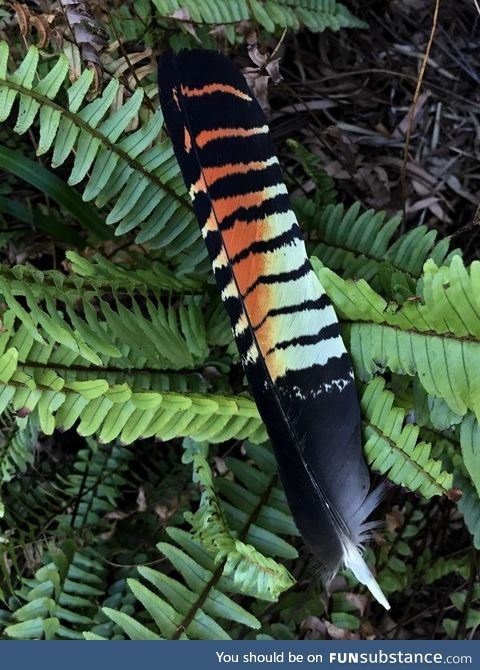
[
  {"x": 116, "y": 411},
  {"x": 213, "y": 524},
  {"x": 392, "y": 446},
  {"x": 436, "y": 337},
  {"x": 470, "y": 443},
  {"x": 59, "y": 597},
  {"x": 316, "y": 15},
  {"x": 132, "y": 171},
  {"x": 469, "y": 506},
  {"x": 358, "y": 244}
]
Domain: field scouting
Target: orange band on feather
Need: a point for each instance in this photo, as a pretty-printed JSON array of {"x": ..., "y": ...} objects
[{"x": 215, "y": 88}]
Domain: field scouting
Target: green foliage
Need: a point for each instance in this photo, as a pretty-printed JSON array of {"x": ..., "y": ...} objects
[
  {"x": 316, "y": 15},
  {"x": 460, "y": 606},
  {"x": 55, "y": 188},
  {"x": 469, "y": 506},
  {"x": 133, "y": 172},
  {"x": 358, "y": 245},
  {"x": 115, "y": 410},
  {"x": 254, "y": 511},
  {"x": 434, "y": 569},
  {"x": 226, "y": 552},
  {"x": 435, "y": 337},
  {"x": 395, "y": 573},
  {"x": 17, "y": 450},
  {"x": 470, "y": 443},
  {"x": 60, "y": 597},
  {"x": 392, "y": 447}
]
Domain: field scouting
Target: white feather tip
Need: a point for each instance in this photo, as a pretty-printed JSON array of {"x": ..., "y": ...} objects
[{"x": 354, "y": 560}]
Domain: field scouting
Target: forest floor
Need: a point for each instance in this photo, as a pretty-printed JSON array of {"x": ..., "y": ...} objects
[{"x": 349, "y": 97}]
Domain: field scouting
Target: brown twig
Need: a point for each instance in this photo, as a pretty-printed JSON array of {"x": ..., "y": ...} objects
[{"x": 416, "y": 95}]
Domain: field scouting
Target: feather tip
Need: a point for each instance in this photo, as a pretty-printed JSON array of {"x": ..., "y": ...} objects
[{"x": 354, "y": 560}]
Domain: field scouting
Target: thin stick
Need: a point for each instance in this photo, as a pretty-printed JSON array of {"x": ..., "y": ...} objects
[{"x": 423, "y": 67}]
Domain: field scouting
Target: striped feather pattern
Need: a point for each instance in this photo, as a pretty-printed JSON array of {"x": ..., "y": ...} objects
[{"x": 286, "y": 330}]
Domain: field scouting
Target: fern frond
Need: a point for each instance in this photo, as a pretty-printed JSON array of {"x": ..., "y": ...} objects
[
  {"x": 469, "y": 506},
  {"x": 131, "y": 368},
  {"x": 435, "y": 337},
  {"x": 431, "y": 570},
  {"x": 95, "y": 323},
  {"x": 116, "y": 411},
  {"x": 156, "y": 277},
  {"x": 94, "y": 484},
  {"x": 316, "y": 15},
  {"x": 392, "y": 446},
  {"x": 17, "y": 448},
  {"x": 133, "y": 172},
  {"x": 324, "y": 194},
  {"x": 257, "y": 521},
  {"x": 431, "y": 411},
  {"x": 394, "y": 572},
  {"x": 60, "y": 599},
  {"x": 472, "y": 618},
  {"x": 358, "y": 244},
  {"x": 119, "y": 598},
  {"x": 470, "y": 444},
  {"x": 214, "y": 560}
]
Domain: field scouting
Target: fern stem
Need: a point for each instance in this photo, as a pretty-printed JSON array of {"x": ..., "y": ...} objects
[{"x": 109, "y": 368}]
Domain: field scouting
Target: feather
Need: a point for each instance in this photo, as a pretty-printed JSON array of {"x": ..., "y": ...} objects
[{"x": 285, "y": 328}]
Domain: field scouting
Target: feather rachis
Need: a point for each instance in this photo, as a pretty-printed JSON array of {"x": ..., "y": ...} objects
[{"x": 292, "y": 351}]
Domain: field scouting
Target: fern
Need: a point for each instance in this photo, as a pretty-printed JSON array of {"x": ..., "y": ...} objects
[
  {"x": 17, "y": 451},
  {"x": 394, "y": 572},
  {"x": 325, "y": 193},
  {"x": 470, "y": 443},
  {"x": 213, "y": 560},
  {"x": 392, "y": 447},
  {"x": 469, "y": 506},
  {"x": 359, "y": 244},
  {"x": 255, "y": 520},
  {"x": 131, "y": 349},
  {"x": 155, "y": 277},
  {"x": 59, "y": 597},
  {"x": 103, "y": 330},
  {"x": 316, "y": 15},
  {"x": 432, "y": 570},
  {"x": 434, "y": 337},
  {"x": 458, "y": 600},
  {"x": 119, "y": 598},
  {"x": 94, "y": 484},
  {"x": 117, "y": 411},
  {"x": 133, "y": 170}
]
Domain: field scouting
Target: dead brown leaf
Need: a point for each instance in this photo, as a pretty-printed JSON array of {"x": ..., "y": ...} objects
[
  {"x": 336, "y": 633},
  {"x": 313, "y": 628},
  {"x": 22, "y": 13},
  {"x": 359, "y": 601},
  {"x": 258, "y": 77},
  {"x": 394, "y": 520},
  {"x": 183, "y": 15}
]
